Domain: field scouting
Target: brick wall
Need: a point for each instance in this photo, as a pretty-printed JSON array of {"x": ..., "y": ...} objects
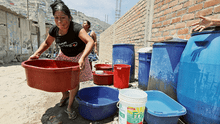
[
  {"x": 171, "y": 18},
  {"x": 175, "y": 17},
  {"x": 129, "y": 29}
]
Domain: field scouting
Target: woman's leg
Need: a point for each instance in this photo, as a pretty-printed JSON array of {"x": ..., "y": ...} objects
[
  {"x": 72, "y": 97},
  {"x": 64, "y": 98}
]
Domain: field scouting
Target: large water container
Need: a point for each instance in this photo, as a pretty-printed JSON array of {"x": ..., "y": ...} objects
[
  {"x": 165, "y": 67},
  {"x": 198, "y": 86},
  {"x": 124, "y": 54},
  {"x": 144, "y": 67}
]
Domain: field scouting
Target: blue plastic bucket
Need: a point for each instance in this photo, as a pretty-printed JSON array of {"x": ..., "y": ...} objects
[
  {"x": 124, "y": 54},
  {"x": 165, "y": 67},
  {"x": 144, "y": 69},
  {"x": 198, "y": 86}
]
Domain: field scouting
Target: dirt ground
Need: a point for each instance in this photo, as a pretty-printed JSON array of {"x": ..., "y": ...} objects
[{"x": 21, "y": 104}]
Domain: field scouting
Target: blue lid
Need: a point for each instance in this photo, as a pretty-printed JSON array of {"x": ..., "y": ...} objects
[{"x": 161, "y": 105}]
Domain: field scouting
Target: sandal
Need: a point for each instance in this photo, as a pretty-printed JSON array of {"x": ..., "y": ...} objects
[
  {"x": 63, "y": 101},
  {"x": 71, "y": 115}
]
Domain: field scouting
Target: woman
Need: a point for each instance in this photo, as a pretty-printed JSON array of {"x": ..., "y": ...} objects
[
  {"x": 205, "y": 23},
  {"x": 75, "y": 46},
  {"x": 92, "y": 56}
]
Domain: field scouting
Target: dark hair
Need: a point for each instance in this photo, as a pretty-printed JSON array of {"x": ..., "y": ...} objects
[
  {"x": 88, "y": 23},
  {"x": 59, "y": 5}
]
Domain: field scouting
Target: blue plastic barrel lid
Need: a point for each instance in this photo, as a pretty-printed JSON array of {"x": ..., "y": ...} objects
[{"x": 145, "y": 50}]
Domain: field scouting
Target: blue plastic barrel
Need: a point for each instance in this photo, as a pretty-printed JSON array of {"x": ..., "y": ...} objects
[
  {"x": 198, "y": 86},
  {"x": 124, "y": 54},
  {"x": 165, "y": 67},
  {"x": 144, "y": 67}
]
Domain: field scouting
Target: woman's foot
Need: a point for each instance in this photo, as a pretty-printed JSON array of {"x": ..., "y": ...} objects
[
  {"x": 64, "y": 99},
  {"x": 71, "y": 115}
]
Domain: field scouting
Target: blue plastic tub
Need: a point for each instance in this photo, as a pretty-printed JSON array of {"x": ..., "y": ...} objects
[
  {"x": 97, "y": 103},
  {"x": 162, "y": 109}
]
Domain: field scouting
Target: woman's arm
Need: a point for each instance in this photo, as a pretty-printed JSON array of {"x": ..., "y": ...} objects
[
  {"x": 89, "y": 45},
  {"x": 44, "y": 46},
  {"x": 204, "y": 23},
  {"x": 95, "y": 44}
]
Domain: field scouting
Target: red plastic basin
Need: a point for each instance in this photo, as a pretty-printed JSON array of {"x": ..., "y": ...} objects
[
  {"x": 51, "y": 75},
  {"x": 104, "y": 67},
  {"x": 103, "y": 79}
]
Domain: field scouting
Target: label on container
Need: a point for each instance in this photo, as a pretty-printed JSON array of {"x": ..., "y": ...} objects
[
  {"x": 131, "y": 115},
  {"x": 135, "y": 115}
]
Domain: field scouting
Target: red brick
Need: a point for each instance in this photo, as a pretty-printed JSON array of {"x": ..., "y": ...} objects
[
  {"x": 162, "y": 28},
  {"x": 183, "y": 31},
  {"x": 164, "y": 7},
  {"x": 168, "y": 37},
  {"x": 158, "y": 34},
  {"x": 162, "y": 18},
  {"x": 188, "y": 36},
  {"x": 180, "y": 25},
  {"x": 170, "y": 27},
  {"x": 173, "y": 32},
  {"x": 167, "y": 1},
  {"x": 211, "y": 3},
  {"x": 181, "y": 36},
  {"x": 204, "y": 12},
  {"x": 189, "y": 3},
  {"x": 175, "y": 20},
  {"x": 166, "y": 33},
  {"x": 178, "y": 7},
  {"x": 217, "y": 9},
  {"x": 168, "y": 11},
  {"x": 166, "y": 22},
  {"x": 196, "y": 7},
  {"x": 181, "y": 12},
  {"x": 161, "y": 39},
  {"x": 173, "y": 3},
  {"x": 188, "y": 17},
  {"x": 158, "y": 24}
]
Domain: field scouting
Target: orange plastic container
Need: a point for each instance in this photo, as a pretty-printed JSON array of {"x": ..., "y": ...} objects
[
  {"x": 104, "y": 67},
  {"x": 51, "y": 75},
  {"x": 103, "y": 79},
  {"x": 121, "y": 75}
]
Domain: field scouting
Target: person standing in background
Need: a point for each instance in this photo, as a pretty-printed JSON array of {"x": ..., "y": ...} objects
[{"x": 93, "y": 55}]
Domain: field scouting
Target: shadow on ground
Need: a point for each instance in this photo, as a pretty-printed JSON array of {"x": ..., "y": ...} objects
[{"x": 56, "y": 114}]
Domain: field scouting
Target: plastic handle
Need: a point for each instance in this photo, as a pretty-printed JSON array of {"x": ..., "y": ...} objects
[
  {"x": 201, "y": 43},
  {"x": 117, "y": 105}
]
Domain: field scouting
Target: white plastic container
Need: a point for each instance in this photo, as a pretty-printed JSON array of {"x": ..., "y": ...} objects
[
  {"x": 99, "y": 72},
  {"x": 131, "y": 106}
]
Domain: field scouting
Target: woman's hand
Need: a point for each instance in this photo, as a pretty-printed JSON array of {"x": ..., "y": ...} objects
[
  {"x": 81, "y": 63},
  {"x": 96, "y": 52},
  {"x": 204, "y": 23},
  {"x": 34, "y": 56}
]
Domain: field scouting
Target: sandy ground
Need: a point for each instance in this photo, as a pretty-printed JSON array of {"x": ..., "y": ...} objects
[{"x": 21, "y": 104}]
